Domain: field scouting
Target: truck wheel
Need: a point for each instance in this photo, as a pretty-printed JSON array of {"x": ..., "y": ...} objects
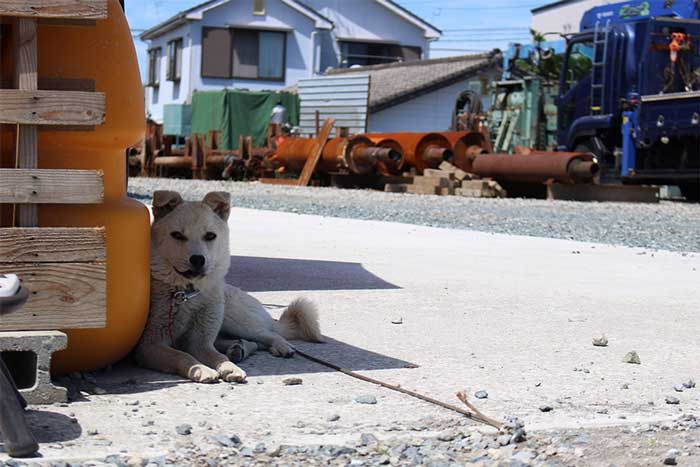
[{"x": 691, "y": 191}]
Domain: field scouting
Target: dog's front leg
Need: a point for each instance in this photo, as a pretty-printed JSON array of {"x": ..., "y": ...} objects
[
  {"x": 228, "y": 371},
  {"x": 162, "y": 357}
]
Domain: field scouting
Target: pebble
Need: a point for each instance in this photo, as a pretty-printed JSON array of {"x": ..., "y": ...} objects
[
  {"x": 600, "y": 341},
  {"x": 184, "y": 429},
  {"x": 481, "y": 394},
  {"x": 227, "y": 441},
  {"x": 334, "y": 418},
  {"x": 679, "y": 388},
  {"x": 367, "y": 439},
  {"x": 632, "y": 357},
  {"x": 292, "y": 381},
  {"x": 690, "y": 384},
  {"x": 397, "y": 321},
  {"x": 670, "y": 457},
  {"x": 366, "y": 399},
  {"x": 546, "y": 408},
  {"x": 672, "y": 400}
]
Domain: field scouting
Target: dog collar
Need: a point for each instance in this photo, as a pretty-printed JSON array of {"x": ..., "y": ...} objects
[{"x": 180, "y": 297}]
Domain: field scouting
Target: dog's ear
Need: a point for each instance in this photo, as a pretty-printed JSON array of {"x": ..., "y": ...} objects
[
  {"x": 220, "y": 202},
  {"x": 164, "y": 202}
]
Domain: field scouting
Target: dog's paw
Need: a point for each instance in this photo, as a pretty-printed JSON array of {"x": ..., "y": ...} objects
[
  {"x": 282, "y": 348},
  {"x": 231, "y": 373},
  {"x": 203, "y": 374}
]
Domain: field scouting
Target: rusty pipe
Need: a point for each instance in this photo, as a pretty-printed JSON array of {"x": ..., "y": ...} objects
[
  {"x": 389, "y": 168},
  {"x": 356, "y": 154},
  {"x": 420, "y": 150},
  {"x": 466, "y": 145},
  {"x": 537, "y": 167}
]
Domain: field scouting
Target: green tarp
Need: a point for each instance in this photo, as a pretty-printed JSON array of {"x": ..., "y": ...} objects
[{"x": 239, "y": 113}]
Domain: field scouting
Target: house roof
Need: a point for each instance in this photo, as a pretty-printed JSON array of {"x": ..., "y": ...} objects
[
  {"x": 322, "y": 22},
  {"x": 196, "y": 13},
  {"x": 394, "y": 83}
]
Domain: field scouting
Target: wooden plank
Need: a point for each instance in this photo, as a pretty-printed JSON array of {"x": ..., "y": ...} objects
[
  {"x": 52, "y": 245},
  {"x": 61, "y": 296},
  {"x": 51, "y": 107},
  {"x": 603, "y": 193},
  {"x": 51, "y": 186},
  {"x": 279, "y": 181},
  {"x": 313, "y": 159},
  {"x": 73, "y": 9},
  {"x": 26, "y": 74}
]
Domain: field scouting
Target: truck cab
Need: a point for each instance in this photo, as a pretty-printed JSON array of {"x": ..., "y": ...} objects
[{"x": 629, "y": 92}]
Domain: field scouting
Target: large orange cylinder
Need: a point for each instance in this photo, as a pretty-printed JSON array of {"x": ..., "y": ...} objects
[
  {"x": 466, "y": 145},
  {"x": 104, "y": 53},
  {"x": 420, "y": 150}
]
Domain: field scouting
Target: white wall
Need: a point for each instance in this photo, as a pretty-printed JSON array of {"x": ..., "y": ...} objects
[
  {"x": 365, "y": 20},
  {"x": 429, "y": 112},
  {"x": 170, "y": 92},
  {"x": 565, "y": 18}
]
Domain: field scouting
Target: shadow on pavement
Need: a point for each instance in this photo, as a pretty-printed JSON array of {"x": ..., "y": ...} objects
[
  {"x": 255, "y": 274},
  {"x": 50, "y": 427}
]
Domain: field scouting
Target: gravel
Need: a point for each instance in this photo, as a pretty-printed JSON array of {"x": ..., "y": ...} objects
[{"x": 665, "y": 226}]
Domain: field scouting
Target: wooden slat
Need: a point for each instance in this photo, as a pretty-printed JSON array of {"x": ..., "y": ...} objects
[
  {"x": 62, "y": 296},
  {"x": 26, "y": 79},
  {"x": 51, "y": 107},
  {"x": 51, "y": 186},
  {"x": 312, "y": 161},
  {"x": 52, "y": 245},
  {"x": 73, "y": 9}
]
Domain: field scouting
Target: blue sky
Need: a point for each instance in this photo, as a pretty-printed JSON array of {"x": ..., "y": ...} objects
[{"x": 468, "y": 26}]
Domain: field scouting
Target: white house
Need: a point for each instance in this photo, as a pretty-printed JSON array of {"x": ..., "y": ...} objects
[
  {"x": 271, "y": 44},
  {"x": 563, "y": 16}
]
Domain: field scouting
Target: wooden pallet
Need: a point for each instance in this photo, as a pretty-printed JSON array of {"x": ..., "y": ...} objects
[{"x": 64, "y": 269}]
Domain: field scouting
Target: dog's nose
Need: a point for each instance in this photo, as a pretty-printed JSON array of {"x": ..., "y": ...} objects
[{"x": 197, "y": 261}]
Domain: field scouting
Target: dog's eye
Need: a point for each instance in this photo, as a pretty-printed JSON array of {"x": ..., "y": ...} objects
[
  {"x": 178, "y": 236},
  {"x": 209, "y": 236}
]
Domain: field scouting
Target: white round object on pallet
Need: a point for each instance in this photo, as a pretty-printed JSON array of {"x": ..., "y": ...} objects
[{"x": 9, "y": 285}]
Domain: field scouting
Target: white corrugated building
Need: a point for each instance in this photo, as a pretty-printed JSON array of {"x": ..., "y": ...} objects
[{"x": 423, "y": 95}]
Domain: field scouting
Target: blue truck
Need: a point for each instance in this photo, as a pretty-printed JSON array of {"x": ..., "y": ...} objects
[{"x": 629, "y": 92}]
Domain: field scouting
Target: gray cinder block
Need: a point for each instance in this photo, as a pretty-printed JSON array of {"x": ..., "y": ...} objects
[{"x": 28, "y": 356}]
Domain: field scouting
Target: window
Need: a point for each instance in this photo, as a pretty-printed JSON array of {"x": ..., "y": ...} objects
[
  {"x": 216, "y": 53},
  {"x": 259, "y": 7},
  {"x": 579, "y": 62},
  {"x": 244, "y": 53},
  {"x": 174, "y": 60},
  {"x": 373, "y": 53},
  {"x": 154, "y": 66}
]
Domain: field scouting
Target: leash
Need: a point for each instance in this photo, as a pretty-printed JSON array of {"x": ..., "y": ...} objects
[
  {"x": 179, "y": 297},
  {"x": 472, "y": 414}
]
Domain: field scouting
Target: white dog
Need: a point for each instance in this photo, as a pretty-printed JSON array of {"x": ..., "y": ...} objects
[{"x": 194, "y": 314}]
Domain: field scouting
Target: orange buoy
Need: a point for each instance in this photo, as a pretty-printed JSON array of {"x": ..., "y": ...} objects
[{"x": 75, "y": 54}]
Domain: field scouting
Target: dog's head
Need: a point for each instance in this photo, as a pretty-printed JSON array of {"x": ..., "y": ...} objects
[{"x": 189, "y": 240}]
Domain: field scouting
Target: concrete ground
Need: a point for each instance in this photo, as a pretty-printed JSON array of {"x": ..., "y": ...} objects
[{"x": 510, "y": 315}]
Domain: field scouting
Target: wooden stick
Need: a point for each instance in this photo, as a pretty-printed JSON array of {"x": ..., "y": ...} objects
[{"x": 475, "y": 415}]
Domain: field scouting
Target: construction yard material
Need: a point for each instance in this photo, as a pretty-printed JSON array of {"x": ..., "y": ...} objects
[
  {"x": 493, "y": 327},
  {"x": 665, "y": 226},
  {"x": 420, "y": 150},
  {"x": 448, "y": 181},
  {"x": 537, "y": 167}
]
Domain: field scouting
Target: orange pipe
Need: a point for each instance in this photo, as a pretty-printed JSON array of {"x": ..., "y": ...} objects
[
  {"x": 420, "y": 150},
  {"x": 466, "y": 145}
]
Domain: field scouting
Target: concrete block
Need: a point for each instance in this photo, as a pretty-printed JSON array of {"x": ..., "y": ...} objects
[
  {"x": 27, "y": 355},
  {"x": 434, "y": 173},
  {"x": 435, "y": 182},
  {"x": 447, "y": 167},
  {"x": 395, "y": 188},
  {"x": 423, "y": 190}
]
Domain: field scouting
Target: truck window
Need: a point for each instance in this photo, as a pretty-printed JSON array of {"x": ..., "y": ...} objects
[{"x": 579, "y": 63}]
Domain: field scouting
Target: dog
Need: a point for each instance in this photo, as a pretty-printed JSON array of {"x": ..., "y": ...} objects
[{"x": 194, "y": 314}]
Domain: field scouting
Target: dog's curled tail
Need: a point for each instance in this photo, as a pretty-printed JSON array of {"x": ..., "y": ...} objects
[{"x": 300, "y": 321}]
